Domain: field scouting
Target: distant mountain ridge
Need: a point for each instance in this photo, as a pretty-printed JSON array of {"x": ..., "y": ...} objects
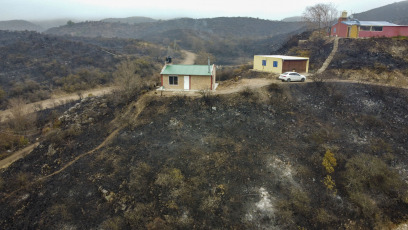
[
  {"x": 395, "y": 13},
  {"x": 223, "y": 26},
  {"x": 130, "y": 20},
  {"x": 293, "y": 19},
  {"x": 20, "y": 25}
]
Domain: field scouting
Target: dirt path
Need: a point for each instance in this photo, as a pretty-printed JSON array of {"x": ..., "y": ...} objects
[
  {"x": 233, "y": 87},
  {"x": 139, "y": 105},
  {"x": 189, "y": 59},
  {"x": 330, "y": 57},
  {"x": 17, "y": 155},
  {"x": 56, "y": 100}
]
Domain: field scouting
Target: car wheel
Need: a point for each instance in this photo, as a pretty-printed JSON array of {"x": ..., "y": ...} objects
[
  {"x": 303, "y": 80},
  {"x": 288, "y": 80}
]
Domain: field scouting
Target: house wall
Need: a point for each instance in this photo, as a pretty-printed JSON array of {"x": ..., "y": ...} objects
[
  {"x": 167, "y": 86},
  {"x": 269, "y": 64},
  {"x": 388, "y": 31},
  {"x": 200, "y": 82},
  {"x": 339, "y": 30},
  {"x": 300, "y": 66},
  {"x": 196, "y": 82}
]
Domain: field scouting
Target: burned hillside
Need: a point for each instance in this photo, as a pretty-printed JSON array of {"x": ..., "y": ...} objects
[{"x": 315, "y": 155}]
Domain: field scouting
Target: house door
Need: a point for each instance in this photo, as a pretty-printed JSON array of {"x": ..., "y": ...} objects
[
  {"x": 348, "y": 31},
  {"x": 186, "y": 82}
]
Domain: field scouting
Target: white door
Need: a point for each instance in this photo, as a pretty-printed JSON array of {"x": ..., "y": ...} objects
[{"x": 186, "y": 82}]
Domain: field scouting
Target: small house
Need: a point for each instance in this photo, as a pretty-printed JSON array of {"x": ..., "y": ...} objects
[
  {"x": 280, "y": 63},
  {"x": 188, "y": 77},
  {"x": 353, "y": 28}
]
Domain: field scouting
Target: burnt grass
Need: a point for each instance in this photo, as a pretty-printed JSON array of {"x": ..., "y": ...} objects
[
  {"x": 251, "y": 160},
  {"x": 379, "y": 54}
]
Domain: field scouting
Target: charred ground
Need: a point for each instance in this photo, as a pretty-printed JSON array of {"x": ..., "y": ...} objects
[{"x": 248, "y": 160}]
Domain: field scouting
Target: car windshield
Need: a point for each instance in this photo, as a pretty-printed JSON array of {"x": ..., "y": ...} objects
[{"x": 286, "y": 73}]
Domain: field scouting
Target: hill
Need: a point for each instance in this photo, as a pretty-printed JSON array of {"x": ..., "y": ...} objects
[
  {"x": 293, "y": 19},
  {"x": 33, "y": 65},
  {"x": 237, "y": 27},
  {"x": 130, "y": 20},
  {"x": 380, "y": 60},
  {"x": 395, "y": 12},
  {"x": 312, "y": 155},
  {"x": 47, "y": 24},
  {"x": 20, "y": 25},
  {"x": 225, "y": 38}
]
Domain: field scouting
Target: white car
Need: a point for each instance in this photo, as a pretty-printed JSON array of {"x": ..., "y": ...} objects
[{"x": 292, "y": 76}]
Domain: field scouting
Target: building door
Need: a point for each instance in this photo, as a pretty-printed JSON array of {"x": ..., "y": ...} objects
[
  {"x": 348, "y": 31},
  {"x": 186, "y": 82}
]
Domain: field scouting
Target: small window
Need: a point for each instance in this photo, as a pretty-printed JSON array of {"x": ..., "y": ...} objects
[
  {"x": 335, "y": 29},
  {"x": 275, "y": 64},
  {"x": 263, "y": 62},
  {"x": 173, "y": 80},
  {"x": 365, "y": 28},
  {"x": 377, "y": 28}
]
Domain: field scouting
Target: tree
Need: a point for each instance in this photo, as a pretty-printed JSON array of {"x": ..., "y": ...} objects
[
  {"x": 320, "y": 15},
  {"x": 70, "y": 23}
]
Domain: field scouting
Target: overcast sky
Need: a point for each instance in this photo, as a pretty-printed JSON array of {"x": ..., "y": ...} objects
[{"x": 165, "y": 9}]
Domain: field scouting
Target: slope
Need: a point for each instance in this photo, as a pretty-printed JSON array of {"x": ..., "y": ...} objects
[
  {"x": 249, "y": 160},
  {"x": 395, "y": 12}
]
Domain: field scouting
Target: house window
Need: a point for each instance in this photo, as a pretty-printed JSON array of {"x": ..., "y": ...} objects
[
  {"x": 365, "y": 28},
  {"x": 263, "y": 62},
  {"x": 335, "y": 29},
  {"x": 377, "y": 28},
  {"x": 275, "y": 64},
  {"x": 173, "y": 80}
]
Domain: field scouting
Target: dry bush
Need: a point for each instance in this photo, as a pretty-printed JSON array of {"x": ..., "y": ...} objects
[
  {"x": 132, "y": 76},
  {"x": 158, "y": 224},
  {"x": 364, "y": 173},
  {"x": 374, "y": 188},
  {"x": 22, "y": 119},
  {"x": 22, "y": 179},
  {"x": 2, "y": 183},
  {"x": 114, "y": 223},
  {"x": 60, "y": 212},
  {"x": 322, "y": 217},
  {"x": 138, "y": 216},
  {"x": 139, "y": 177},
  {"x": 170, "y": 178},
  {"x": 8, "y": 140}
]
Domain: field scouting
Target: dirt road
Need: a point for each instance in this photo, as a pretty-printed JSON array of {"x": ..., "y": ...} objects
[
  {"x": 63, "y": 98},
  {"x": 17, "y": 155},
  {"x": 189, "y": 59},
  {"x": 233, "y": 87},
  {"x": 55, "y": 101}
]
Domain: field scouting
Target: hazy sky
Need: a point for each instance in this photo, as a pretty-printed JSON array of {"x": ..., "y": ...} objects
[{"x": 165, "y": 9}]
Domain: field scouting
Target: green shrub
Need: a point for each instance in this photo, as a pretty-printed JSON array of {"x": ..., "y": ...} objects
[
  {"x": 329, "y": 161},
  {"x": 170, "y": 178}
]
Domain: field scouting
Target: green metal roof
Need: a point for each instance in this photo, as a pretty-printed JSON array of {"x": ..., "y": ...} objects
[{"x": 198, "y": 70}]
